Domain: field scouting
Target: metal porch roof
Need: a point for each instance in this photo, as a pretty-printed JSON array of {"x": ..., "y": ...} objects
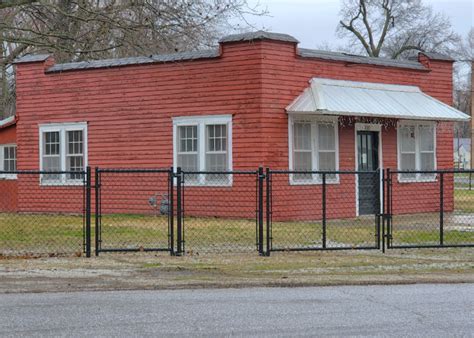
[
  {"x": 336, "y": 97},
  {"x": 11, "y": 120}
]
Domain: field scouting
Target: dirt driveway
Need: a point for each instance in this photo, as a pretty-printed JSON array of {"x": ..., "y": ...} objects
[{"x": 150, "y": 271}]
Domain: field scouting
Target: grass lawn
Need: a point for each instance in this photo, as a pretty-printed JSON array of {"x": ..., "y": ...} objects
[
  {"x": 63, "y": 234},
  {"x": 464, "y": 200}
]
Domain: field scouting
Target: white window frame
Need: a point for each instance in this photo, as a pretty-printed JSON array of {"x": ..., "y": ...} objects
[
  {"x": 201, "y": 122},
  {"x": 418, "y": 177},
  {"x": 63, "y": 128},
  {"x": 314, "y": 121},
  {"x": 2, "y": 153}
]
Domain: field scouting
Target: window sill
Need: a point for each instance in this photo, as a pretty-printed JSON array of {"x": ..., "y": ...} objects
[
  {"x": 313, "y": 182},
  {"x": 417, "y": 180},
  {"x": 60, "y": 184},
  {"x": 8, "y": 177},
  {"x": 207, "y": 185}
]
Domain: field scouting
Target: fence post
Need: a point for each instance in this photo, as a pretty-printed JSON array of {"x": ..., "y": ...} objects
[
  {"x": 441, "y": 209},
  {"x": 179, "y": 235},
  {"x": 470, "y": 179},
  {"x": 324, "y": 210},
  {"x": 88, "y": 212},
  {"x": 261, "y": 177},
  {"x": 388, "y": 234},
  {"x": 171, "y": 211},
  {"x": 97, "y": 211},
  {"x": 268, "y": 207},
  {"x": 384, "y": 212}
]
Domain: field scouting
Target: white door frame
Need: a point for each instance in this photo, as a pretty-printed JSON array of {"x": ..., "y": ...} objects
[{"x": 368, "y": 127}]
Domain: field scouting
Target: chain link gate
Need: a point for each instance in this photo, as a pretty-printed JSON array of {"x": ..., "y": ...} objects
[
  {"x": 316, "y": 210},
  {"x": 220, "y": 211},
  {"x": 134, "y": 210}
]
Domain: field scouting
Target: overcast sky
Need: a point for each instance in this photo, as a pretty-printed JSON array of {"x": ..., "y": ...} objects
[{"x": 314, "y": 22}]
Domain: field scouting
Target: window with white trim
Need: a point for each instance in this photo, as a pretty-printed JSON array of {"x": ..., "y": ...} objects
[
  {"x": 8, "y": 160},
  {"x": 203, "y": 143},
  {"x": 416, "y": 150},
  {"x": 63, "y": 147},
  {"x": 313, "y": 147}
]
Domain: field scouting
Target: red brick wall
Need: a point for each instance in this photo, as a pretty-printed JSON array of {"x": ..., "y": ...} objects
[
  {"x": 129, "y": 109},
  {"x": 285, "y": 76}
]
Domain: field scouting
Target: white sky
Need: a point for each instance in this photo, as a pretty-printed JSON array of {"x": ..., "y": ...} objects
[{"x": 314, "y": 22}]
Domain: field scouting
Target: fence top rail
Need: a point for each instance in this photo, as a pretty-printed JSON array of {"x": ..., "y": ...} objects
[
  {"x": 440, "y": 171},
  {"x": 133, "y": 170},
  {"x": 334, "y": 172},
  {"x": 233, "y": 172}
]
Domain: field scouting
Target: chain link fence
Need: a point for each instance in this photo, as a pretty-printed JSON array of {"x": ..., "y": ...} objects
[
  {"x": 122, "y": 210},
  {"x": 437, "y": 213},
  {"x": 324, "y": 210},
  {"x": 42, "y": 213}
]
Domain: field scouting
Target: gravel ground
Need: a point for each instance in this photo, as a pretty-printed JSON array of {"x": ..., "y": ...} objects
[{"x": 159, "y": 271}]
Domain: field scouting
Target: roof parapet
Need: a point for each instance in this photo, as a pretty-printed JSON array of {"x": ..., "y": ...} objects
[
  {"x": 28, "y": 58},
  {"x": 258, "y": 35},
  {"x": 358, "y": 59}
]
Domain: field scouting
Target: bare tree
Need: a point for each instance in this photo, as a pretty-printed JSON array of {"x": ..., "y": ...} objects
[
  {"x": 395, "y": 28},
  {"x": 463, "y": 81},
  {"x": 75, "y": 30}
]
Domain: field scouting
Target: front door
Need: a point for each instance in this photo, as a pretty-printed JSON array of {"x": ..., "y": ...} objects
[{"x": 368, "y": 161}]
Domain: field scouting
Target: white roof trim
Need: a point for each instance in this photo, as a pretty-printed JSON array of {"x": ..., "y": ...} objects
[{"x": 351, "y": 98}]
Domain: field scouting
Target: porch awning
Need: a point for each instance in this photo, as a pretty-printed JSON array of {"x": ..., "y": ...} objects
[{"x": 336, "y": 97}]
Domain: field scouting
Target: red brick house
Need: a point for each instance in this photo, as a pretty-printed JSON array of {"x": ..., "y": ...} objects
[{"x": 257, "y": 100}]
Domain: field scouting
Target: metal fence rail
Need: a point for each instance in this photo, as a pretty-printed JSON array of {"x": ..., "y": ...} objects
[
  {"x": 43, "y": 213},
  {"x": 318, "y": 210},
  {"x": 134, "y": 209},
  {"x": 436, "y": 214}
]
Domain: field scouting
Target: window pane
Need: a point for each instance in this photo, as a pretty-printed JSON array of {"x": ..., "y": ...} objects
[
  {"x": 427, "y": 161},
  {"x": 9, "y": 158},
  {"x": 51, "y": 143},
  {"x": 216, "y": 153},
  {"x": 75, "y": 163},
  {"x": 327, "y": 162},
  {"x": 216, "y": 137},
  {"x": 302, "y": 136},
  {"x": 302, "y": 161},
  {"x": 216, "y": 162},
  {"x": 426, "y": 138},
  {"x": 187, "y": 139},
  {"x": 326, "y": 136},
  {"x": 188, "y": 162},
  {"x": 407, "y": 135},
  {"x": 51, "y": 163},
  {"x": 75, "y": 158},
  {"x": 408, "y": 162}
]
